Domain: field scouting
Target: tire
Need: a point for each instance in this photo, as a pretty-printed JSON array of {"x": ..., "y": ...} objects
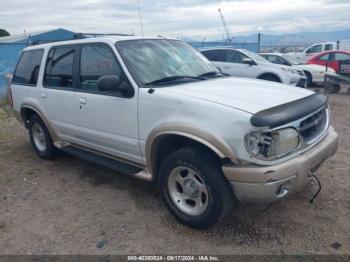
[
  {"x": 206, "y": 195},
  {"x": 270, "y": 78},
  {"x": 308, "y": 79},
  {"x": 41, "y": 139},
  {"x": 332, "y": 88}
]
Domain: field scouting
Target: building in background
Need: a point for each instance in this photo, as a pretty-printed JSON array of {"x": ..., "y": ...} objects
[{"x": 12, "y": 46}]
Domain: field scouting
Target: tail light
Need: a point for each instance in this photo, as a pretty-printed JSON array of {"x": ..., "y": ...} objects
[{"x": 9, "y": 97}]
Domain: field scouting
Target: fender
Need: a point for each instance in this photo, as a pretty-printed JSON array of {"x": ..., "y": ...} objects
[
  {"x": 33, "y": 107},
  {"x": 216, "y": 144},
  {"x": 271, "y": 74}
]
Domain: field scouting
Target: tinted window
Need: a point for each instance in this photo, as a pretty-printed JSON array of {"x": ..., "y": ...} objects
[
  {"x": 59, "y": 67},
  {"x": 232, "y": 56},
  {"x": 324, "y": 57},
  {"x": 214, "y": 55},
  {"x": 315, "y": 49},
  {"x": 328, "y": 47},
  {"x": 28, "y": 67},
  {"x": 341, "y": 56},
  {"x": 97, "y": 61}
]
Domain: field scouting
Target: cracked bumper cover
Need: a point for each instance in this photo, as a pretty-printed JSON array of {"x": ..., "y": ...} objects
[{"x": 265, "y": 184}]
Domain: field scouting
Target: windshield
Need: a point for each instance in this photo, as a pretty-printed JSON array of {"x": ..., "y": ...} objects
[
  {"x": 151, "y": 60},
  {"x": 291, "y": 59},
  {"x": 255, "y": 57}
]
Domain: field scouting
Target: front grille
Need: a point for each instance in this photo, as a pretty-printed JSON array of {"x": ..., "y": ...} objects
[{"x": 313, "y": 127}]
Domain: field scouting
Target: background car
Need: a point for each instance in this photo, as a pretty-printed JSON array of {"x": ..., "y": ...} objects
[
  {"x": 243, "y": 63},
  {"x": 331, "y": 58},
  {"x": 313, "y": 73},
  {"x": 318, "y": 48}
]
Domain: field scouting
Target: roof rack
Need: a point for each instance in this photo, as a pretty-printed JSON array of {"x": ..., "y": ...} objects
[
  {"x": 77, "y": 36},
  {"x": 87, "y": 35}
]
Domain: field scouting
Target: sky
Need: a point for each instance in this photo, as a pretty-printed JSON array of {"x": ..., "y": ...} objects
[{"x": 183, "y": 18}]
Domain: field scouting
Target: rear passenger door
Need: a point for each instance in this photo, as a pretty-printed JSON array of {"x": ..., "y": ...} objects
[
  {"x": 58, "y": 91},
  {"x": 107, "y": 119}
]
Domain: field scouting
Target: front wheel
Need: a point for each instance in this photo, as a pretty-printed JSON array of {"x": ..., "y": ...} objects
[
  {"x": 270, "y": 78},
  {"x": 194, "y": 188}
]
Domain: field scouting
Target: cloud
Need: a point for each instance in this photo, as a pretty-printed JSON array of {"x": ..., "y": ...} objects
[{"x": 192, "y": 18}]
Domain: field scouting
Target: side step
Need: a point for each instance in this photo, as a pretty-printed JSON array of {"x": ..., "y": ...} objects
[{"x": 102, "y": 160}]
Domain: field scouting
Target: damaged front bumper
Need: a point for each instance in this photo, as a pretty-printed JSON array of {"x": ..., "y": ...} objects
[{"x": 265, "y": 184}]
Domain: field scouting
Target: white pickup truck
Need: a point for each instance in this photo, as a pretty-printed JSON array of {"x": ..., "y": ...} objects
[{"x": 158, "y": 110}]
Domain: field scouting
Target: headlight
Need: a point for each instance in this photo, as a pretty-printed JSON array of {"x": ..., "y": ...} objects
[
  {"x": 290, "y": 70},
  {"x": 266, "y": 145}
]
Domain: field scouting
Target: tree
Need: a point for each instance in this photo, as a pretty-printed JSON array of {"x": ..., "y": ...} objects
[{"x": 3, "y": 32}]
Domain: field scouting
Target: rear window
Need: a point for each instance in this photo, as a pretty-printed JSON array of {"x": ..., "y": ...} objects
[{"x": 28, "y": 67}]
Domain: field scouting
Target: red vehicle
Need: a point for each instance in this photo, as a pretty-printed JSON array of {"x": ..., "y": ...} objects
[{"x": 332, "y": 58}]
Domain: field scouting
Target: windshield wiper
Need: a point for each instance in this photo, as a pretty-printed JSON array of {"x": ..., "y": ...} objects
[
  {"x": 212, "y": 73},
  {"x": 172, "y": 78}
]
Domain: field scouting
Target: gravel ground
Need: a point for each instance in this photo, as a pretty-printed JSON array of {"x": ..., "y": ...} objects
[{"x": 70, "y": 206}]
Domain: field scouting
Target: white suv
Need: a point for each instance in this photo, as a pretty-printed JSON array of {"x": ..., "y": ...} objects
[
  {"x": 158, "y": 110},
  {"x": 315, "y": 74},
  {"x": 243, "y": 63}
]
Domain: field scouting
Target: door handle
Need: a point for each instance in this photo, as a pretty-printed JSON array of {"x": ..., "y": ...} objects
[
  {"x": 82, "y": 101},
  {"x": 43, "y": 95}
]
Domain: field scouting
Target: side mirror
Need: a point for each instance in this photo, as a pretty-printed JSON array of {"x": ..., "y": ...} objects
[
  {"x": 248, "y": 61},
  {"x": 109, "y": 83}
]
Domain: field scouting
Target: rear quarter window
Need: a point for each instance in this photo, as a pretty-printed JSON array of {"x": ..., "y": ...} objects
[{"x": 28, "y": 68}]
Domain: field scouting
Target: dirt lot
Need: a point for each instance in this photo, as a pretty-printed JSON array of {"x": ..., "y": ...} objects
[{"x": 70, "y": 206}]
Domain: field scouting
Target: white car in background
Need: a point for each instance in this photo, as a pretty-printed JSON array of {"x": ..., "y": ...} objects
[
  {"x": 314, "y": 73},
  {"x": 243, "y": 63}
]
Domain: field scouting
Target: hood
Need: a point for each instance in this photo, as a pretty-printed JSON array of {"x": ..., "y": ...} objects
[{"x": 248, "y": 95}]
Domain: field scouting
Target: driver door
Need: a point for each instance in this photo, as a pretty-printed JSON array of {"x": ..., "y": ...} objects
[{"x": 107, "y": 119}]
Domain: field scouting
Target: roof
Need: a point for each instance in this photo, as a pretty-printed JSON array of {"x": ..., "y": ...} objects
[
  {"x": 278, "y": 54},
  {"x": 220, "y": 47},
  {"x": 330, "y": 52},
  {"x": 58, "y": 33}
]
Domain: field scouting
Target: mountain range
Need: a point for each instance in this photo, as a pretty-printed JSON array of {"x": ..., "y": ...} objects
[{"x": 300, "y": 38}]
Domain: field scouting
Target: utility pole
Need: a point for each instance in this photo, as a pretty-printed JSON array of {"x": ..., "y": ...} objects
[
  {"x": 140, "y": 17},
  {"x": 228, "y": 36}
]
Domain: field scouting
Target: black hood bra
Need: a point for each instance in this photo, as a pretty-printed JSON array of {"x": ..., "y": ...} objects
[{"x": 289, "y": 112}]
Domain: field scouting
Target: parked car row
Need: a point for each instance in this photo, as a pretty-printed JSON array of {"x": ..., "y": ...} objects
[
  {"x": 243, "y": 63},
  {"x": 158, "y": 110}
]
